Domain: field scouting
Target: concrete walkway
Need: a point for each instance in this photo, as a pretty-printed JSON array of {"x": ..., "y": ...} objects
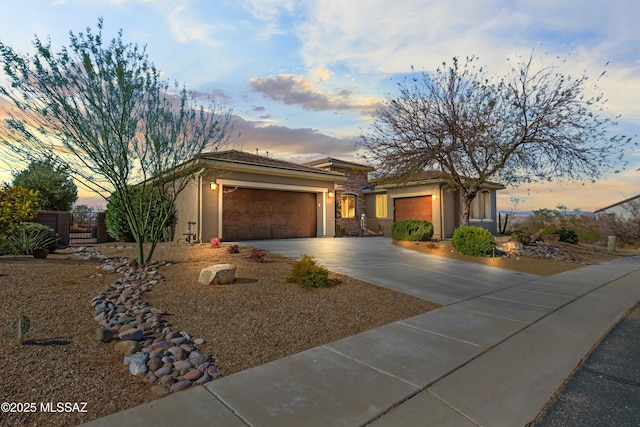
[{"x": 493, "y": 356}]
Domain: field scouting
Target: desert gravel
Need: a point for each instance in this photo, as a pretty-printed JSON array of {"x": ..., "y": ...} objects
[{"x": 257, "y": 319}]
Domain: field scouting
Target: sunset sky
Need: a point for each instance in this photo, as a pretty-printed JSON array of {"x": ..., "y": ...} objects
[{"x": 303, "y": 76}]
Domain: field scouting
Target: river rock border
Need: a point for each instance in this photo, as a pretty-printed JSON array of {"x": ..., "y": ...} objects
[{"x": 166, "y": 359}]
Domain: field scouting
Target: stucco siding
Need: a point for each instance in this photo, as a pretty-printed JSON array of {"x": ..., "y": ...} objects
[{"x": 187, "y": 209}]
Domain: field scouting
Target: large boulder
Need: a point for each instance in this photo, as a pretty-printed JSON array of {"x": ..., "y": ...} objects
[{"x": 219, "y": 274}]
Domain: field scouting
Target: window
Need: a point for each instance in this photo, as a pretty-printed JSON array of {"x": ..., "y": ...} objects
[
  {"x": 481, "y": 206},
  {"x": 348, "y": 203},
  {"x": 381, "y": 205}
]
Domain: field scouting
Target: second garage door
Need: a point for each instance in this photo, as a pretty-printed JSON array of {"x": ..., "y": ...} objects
[
  {"x": 256, "y": 214},
  {"x": 413, "y": 208}
]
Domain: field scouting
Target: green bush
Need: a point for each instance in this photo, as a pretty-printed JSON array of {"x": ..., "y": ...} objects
[
  {"x": 413, "y": 230},
  {"x": 475, "y": 241},
  {"x": 568, "y": 235},
  {"x": 30, "y": 236},
  {"x": 116, "y": 219},
  {"x": 308, "y": 274},
  {"x": 523, "y": 238}
]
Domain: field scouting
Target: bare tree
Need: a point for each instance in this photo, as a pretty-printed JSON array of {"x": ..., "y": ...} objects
[
  {"x": 103, "y": 112},
  {"x": 535, "y": 124}
]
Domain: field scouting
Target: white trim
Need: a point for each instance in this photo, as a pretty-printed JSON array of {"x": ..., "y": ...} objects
[
  {"x": 271, "y": 186},
  {"x": 413, "y": 194}
]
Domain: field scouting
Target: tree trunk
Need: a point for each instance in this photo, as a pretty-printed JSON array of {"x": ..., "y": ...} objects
[{"x": 465, "y": 207}]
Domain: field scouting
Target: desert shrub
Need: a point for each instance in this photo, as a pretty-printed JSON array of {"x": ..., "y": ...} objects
[
  {"x": 308, "y": 274},
  {"x": 257, "y": 255},
  {"x": 17, "y": 205},
  {"x": 523, "y": 238},
  {"x": 540, "y": 220},
  {"x": 475, "y": 241},
  {"x": 413, "y": 230},
  {"x": 30, "y": 236},
  {"x": 116, "y": 219},
  {"x": 567, "y": 235},
  {"x": 215, "y": 243},
  {"x": 233, "y": 249}
]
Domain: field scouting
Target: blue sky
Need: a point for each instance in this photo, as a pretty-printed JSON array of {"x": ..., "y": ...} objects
[{"x": 303, "y": 76}]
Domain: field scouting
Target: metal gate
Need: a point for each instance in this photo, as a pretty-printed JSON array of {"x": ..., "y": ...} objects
[{"x": 83, "y": 228}]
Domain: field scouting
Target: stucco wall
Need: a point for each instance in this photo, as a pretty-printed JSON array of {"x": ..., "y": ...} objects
[{"x": 187, "y": 209}]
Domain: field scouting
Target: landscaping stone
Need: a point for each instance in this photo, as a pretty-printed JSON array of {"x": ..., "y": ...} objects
[
  {"x": 127, "y": 347},
  {"x": 168, "y": 358},
  {"x": 160, "y": 390},
  {"x": 104, "y": 334},
  {"x": 219, "y": 274}
]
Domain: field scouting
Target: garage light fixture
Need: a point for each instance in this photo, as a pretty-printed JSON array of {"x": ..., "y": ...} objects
[
  {"x": 435, "y": 196},
  {"x": 214, "y": 186},
  {"x": 330, "y": 194}
]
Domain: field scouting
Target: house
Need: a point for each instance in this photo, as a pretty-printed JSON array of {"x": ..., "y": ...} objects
[
  {"x": 242, "y": 196},
  {"x": 428, "y": 198},
  {"x": 350, "y": 199},
  {"x": 622, "y": 209}
]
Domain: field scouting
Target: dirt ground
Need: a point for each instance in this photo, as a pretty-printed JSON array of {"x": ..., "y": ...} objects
[
  {"x": 257, "y": 319},
  {"x": 581, "y": 253}
]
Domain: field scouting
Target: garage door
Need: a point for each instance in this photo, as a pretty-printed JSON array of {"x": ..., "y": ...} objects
[
  {"x": 255, "y": 214},
  {"x": 413, "y": 208}
]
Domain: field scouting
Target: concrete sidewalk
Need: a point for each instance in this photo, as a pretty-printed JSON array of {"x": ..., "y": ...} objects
[{"x": 490, "y": 358}]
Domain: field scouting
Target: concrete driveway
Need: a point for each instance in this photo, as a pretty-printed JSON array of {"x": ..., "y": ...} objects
[{"x": 377, "y": 260}]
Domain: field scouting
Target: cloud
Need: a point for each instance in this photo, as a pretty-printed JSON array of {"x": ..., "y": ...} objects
[
  {"x": 291, "y": 89},
  {"x": 282, "y": 141}
]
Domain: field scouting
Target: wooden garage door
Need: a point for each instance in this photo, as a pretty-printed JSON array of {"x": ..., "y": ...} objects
[
  {"x": 255, "y": 214},
  {"x": 413, "y": 208}
]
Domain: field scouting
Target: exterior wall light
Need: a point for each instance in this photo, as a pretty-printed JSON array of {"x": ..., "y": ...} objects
[
  {"x": 434, "y": 196},
  {"x": 330, "y": 194},
  {"x": 214, "y": 186}
]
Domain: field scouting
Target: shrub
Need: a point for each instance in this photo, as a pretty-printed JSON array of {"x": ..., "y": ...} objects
[
  {"x": 215, "y": 243},
  {"x": 308, "y": 274},
  {"x": 257, "y": 255},
  {"x": 116, "y": 218},
  {"x": 568, "y": 235},
  {"x": 475, "y": 241},
  {"x": 413, "y": 230},
  {"x": 31, "y": 236},
  {"x": 17, "y": 205},
  {"x": 233, "y": 249},
  {"x": 523, "y": 238}
]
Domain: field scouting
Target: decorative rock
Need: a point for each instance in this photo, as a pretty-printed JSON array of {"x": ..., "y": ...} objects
[
  {"x": 180, "y": 385},
  {"x": 160, "y": 390},
  {"x": 104, "y": 334},
  {"x": 176, "y": 352},
  {"x": 138, "y": 367},
  {"x": 198, "y": 341},
  {"x": 179, "y": 340},
  {"x": 220, "y": 274},
  {"x": 132, "y": 335},
  {"x": 154, "y": 364},
  {"x": 137, "y": 357},
  {"x": 204, "y": 378},
  {"x": 149, "y": 378},
  {"x": 127, "y": 347},
  {"x": 165, "y": 379},
  {"x": 193, "y": 374},
  {"x": 182, "y": 364},
  {"x": 165, "y": 370}
]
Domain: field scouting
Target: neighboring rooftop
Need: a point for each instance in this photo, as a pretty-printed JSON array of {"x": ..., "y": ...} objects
[
  {"x": 331, "y": 162},
  {"x": 617, "y": 204}
]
